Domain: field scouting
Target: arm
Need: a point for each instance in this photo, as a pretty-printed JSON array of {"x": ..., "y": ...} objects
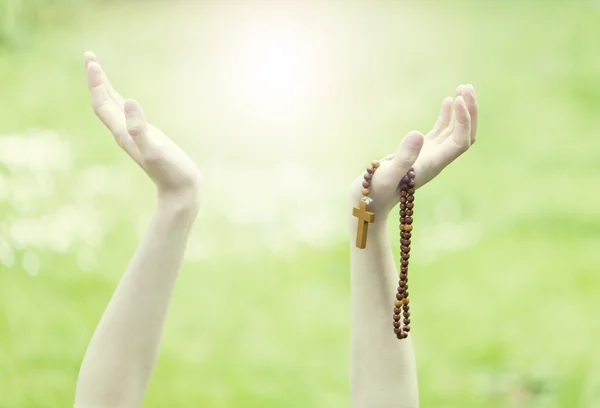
[
  {"x": 121, "y": 355},
  {"x": 382, "y": 368}
]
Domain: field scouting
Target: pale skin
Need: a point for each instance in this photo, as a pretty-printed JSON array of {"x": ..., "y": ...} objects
[
  {"x": 382, "y": 368},
  {"x": 121, "y": 355},
  {"x": 120, "y": 358}
]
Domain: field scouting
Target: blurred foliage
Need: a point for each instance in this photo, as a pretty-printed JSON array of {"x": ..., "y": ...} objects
[{"x": 20, "y": 18}]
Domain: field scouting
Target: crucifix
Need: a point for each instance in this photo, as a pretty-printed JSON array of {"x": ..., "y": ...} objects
[{"x": 364, "y": 218}]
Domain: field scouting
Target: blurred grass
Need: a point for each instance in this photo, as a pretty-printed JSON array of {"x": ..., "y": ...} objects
[
  {"x": 506, "y": 321},
  {"x": 21, "y": 19}
]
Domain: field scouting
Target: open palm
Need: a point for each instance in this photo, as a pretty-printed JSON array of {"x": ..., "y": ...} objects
[
  {"x": 171, "y": 169},
  {"x": 454, "y": 132},
  {"x": 452, "y": 135}
]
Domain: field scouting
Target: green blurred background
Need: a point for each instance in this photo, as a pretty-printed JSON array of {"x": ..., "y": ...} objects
[{"x": 281, "y": 104}]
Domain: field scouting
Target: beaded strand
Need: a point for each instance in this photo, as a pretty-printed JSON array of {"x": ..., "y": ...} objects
[
  {"x": 401, "y": 304},
  {"x": 401, "y": 319}
]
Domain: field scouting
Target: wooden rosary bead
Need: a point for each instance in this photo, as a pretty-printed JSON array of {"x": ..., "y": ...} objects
[
  {"x": 366, "y": 184},
  {"x": 406, "y": 204},
  {"x": 375, "y": 164},
  {"x": 397, "y": 311},
  {"x": 371, "y": 170},
  {"x": 368, "y": 176},
  {"x": 366, "y": 191}
]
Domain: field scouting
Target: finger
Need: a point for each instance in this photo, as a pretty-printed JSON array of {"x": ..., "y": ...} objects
[
  {"x": 406, "y": 154},
  {"x": 460, "y": 140},
  {"x": 137, "y": 126},
  {"x": 473, "y": 108},
  {"x": 90, "y": 56},
  {"x": 103, "y": 105},
  {"x": 450, "y": 128},
  {"x": 452, "y": 123},
  {"x": 461, "y": 136},
  {"x": 443, "y": 119}
]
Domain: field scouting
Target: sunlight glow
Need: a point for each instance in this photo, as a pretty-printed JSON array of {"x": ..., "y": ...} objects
[{"x": 276, "y": 68}]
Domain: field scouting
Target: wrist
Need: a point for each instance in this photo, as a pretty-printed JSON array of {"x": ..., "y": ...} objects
[{"x": 184, "y": 203}]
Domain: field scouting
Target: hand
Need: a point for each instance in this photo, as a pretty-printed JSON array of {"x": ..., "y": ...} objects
[
  {"x": 452, "y": 135},
  {"x": 174, "y": 173}
]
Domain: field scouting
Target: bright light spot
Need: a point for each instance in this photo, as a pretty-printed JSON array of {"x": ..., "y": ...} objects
[
  {"x": 276, "y": 68},
  {"x": 276, "y": 71}
]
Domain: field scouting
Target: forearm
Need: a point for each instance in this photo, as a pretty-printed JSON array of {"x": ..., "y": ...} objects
[
  {"x": 120, "y": 358},
  {"x": 382, "y": 368}
]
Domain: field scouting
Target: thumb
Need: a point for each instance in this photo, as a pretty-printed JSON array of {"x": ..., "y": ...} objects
[
  {"x": 137, "y": 127},
  {"x": 407, "y": 153}
]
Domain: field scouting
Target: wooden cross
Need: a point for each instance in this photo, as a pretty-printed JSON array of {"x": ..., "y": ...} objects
[{"x": 364, "y": 218}]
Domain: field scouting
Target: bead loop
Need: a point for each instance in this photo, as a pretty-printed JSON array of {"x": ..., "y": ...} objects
[{"x": 406, "y": 199}]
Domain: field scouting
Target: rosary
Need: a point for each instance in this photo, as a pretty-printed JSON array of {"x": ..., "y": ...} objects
[{"x": 407, "y": 198}]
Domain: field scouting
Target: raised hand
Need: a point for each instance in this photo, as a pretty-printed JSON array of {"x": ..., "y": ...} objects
[
  {"x": 452, "y": 135},
  {"x": 171, "y": 169},
  {"x": 120, "y": 358}
]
